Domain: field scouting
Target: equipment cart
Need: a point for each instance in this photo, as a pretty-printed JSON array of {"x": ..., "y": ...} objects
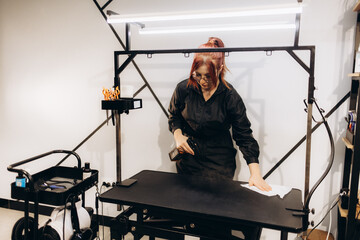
[{"x": 54, "y": 186}]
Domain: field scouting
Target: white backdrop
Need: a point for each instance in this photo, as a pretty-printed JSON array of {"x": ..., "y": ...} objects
[{"x": 56, "y": 56}]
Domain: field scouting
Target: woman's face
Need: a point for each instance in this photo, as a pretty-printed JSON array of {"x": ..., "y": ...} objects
[{"x": 202, "y": 76}]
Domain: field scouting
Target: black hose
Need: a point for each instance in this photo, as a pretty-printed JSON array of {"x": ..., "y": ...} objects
[{"x": 332, "y": 156}]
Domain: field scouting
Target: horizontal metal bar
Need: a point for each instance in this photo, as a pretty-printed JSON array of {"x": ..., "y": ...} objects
[
  {"x": 194, "y": 50},
  {"x": 11, "y": 168}
]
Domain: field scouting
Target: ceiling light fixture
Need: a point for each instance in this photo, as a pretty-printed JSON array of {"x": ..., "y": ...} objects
[
  {"x": 210, "y": 14},
  {"x": 199, "y": 29}
]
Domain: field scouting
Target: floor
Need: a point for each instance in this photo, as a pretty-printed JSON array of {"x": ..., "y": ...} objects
[{"x": 9, "y": 217}]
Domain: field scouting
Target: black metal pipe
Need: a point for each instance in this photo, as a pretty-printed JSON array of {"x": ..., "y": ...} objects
[
  {"x": 140, "y": 89},
  {"x": 26, "y": 213},
  {"x": 106, "y": 4},
  {"x": 127, "y": 36},
  {"x": 116, "y": 76},
  {"x": 87, "y": 138},
  {"x": 36, "y": 215},
  {"x": 11, "y": 167},
  {"x": 196, "y": 50},
  {"x": 118, "y": 146},
  {"x": 22, "y": 172},
  {"x": 298, "y": 60},
  {"x": 124, "y": 65},
  {"x": 311, "y": 88},
  {"x": 297, "y": 30},
  {"x": 111, "y": 27}
]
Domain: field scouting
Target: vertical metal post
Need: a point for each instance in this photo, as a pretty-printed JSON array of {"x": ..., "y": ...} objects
[
  {"x": 310, "y": 100},
  {"x": 297, "y": 31},
  {"x": 117, "y": 121},
  {"x": 308, "y": 150},
  {"x": 116, "y": 67},
  {"x": 139, "y": 221},
  {"x": 128, "y": 36},
  {"x": 118, "y": 146},
  {"x": 283, "y": 235},
  {"x": 354, "y": 178},
  {"x": 36, "y": 215},
  {"x": 26, "y": 213}
]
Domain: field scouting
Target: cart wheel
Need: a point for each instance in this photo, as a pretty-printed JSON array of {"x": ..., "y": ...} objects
[
  {"x": 48, "y": 233},
  {"x": 18, "y": 232}
]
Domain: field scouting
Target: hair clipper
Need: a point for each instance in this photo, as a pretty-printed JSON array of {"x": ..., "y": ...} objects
[
  {"x": 175, "y": 155},
  {"x": 194, "y": 146}
]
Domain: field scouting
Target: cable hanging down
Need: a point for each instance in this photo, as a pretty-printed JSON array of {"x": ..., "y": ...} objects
[{"x": 332, "y": 155}]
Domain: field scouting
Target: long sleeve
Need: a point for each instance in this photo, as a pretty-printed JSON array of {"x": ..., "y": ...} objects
[
  {"x": 175, "y": 107},
  {"x": 241, "y": 128}
]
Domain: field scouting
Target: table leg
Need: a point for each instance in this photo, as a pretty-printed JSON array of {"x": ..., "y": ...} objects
[{"x": 284, "y": 235}]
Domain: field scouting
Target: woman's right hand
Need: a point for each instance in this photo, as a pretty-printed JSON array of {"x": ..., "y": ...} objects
[{"x": 181, "y": 142}]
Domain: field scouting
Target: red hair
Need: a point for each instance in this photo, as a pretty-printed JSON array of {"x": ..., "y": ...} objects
[
  {"x": 217, "y": 58},
  {"x": 198, "y": 62}
]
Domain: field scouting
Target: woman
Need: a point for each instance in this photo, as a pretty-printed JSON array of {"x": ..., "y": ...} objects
[{"x": 203, "y": 108}]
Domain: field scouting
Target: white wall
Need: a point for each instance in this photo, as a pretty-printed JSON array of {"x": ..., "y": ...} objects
[{"x": 56, "y": 56}]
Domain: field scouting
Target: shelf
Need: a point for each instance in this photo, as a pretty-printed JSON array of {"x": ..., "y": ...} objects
[
  {"x": 347, "y": 143},
  {"x": 357, "y": 7},
  {"x": 122, "y": 104},
  {"x": 318, "y": 234},
  {"x": 348, "y": 219},
  {"x": 344, "y": 212},
  {"x": 357, "y": 74}
]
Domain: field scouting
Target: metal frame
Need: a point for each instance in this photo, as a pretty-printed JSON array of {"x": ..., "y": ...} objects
[
  {"x": 127, "y": 46},
  {"x": 289, "y": 49},
  {"x": 132, "y": 54},
  {"x": 159, "y": 219},
  {"x": 310, "y": 69},
  {"x": 170, "y": 226}
]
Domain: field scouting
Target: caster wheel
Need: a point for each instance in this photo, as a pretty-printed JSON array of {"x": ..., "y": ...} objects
[
  {"x": 48, "y": 233},
  {"x": 18, "y": 232}
]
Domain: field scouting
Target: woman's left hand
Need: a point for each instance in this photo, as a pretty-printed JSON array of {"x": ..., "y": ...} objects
[
  {"x": 259, "y": 182},
  {"x": 256, "y": 178}
]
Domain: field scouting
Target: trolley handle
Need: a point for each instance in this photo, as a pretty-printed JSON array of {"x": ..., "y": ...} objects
[{"x": 22, "y": 172}]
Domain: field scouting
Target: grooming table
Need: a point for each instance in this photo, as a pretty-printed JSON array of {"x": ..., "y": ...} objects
[{"x": 190, "y": 203}]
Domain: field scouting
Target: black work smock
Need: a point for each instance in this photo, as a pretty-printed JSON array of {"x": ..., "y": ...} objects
[{"x": 209, "y": 122}]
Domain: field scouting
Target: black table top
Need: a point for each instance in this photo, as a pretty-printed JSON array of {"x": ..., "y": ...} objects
[{"x": 217, "y": 199}]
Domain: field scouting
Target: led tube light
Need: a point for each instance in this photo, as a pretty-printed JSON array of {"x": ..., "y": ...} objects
[
  {"x": 200, "y": 29},
  {"x": 203, "y": 15}
]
